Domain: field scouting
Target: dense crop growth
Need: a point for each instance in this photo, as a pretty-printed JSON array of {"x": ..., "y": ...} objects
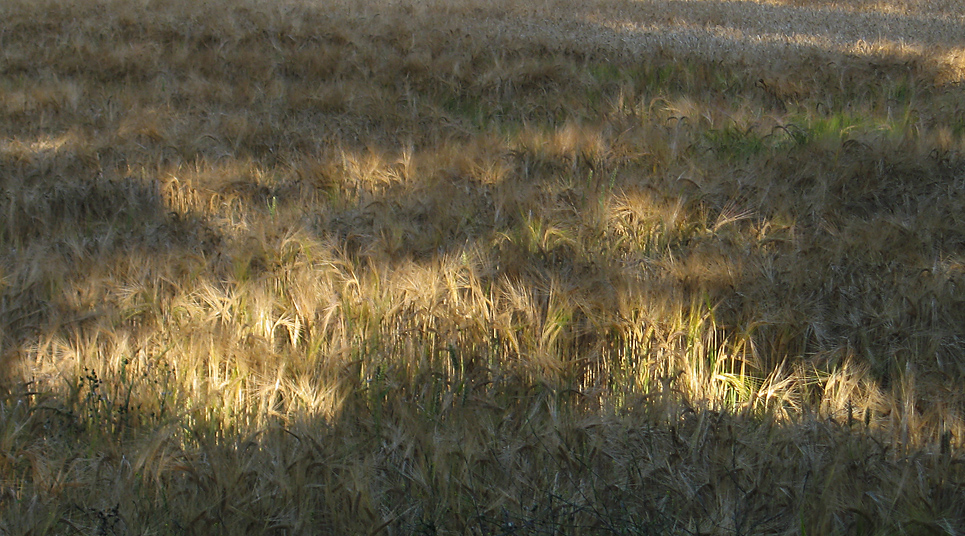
[{"x": 482, "y": 267}]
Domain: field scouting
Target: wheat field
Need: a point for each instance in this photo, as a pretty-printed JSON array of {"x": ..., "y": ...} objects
[{"x": 484, "y": 267}]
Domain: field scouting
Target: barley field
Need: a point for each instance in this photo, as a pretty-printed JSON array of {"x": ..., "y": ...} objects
[{"x": 487, "y": 267}]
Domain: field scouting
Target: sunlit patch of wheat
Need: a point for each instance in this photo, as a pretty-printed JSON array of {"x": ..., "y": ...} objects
[
  {"x": 371, "y": 171},
  {"x": 953, "y": 66},
  {"x": 314, "y": 397},
  {"x": 570, "y": 144}
]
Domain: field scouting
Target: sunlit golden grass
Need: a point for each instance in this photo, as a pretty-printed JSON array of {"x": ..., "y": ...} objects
[{"x": 482, "y": 267}]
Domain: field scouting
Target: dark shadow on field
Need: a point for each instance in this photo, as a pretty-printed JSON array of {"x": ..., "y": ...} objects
[{"x": 652, "y": 470}]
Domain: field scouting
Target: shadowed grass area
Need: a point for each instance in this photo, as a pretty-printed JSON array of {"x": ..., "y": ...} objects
[{"x": 481, "y": 267}]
